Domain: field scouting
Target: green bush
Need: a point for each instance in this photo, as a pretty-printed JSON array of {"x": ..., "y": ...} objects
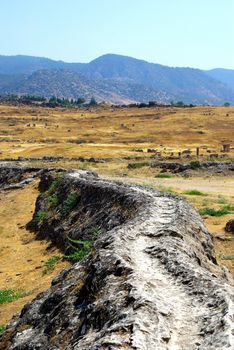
[
  {"x": 195, "y": 164},
  {"x": 70, "y": 202},
  {"x": 2, "y": 328}
]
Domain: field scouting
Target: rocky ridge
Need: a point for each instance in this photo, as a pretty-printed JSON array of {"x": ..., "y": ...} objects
[{"x": 151, "y": 280}]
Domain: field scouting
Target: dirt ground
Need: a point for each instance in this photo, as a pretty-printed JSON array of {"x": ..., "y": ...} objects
[{"x": 22, "y": 257}]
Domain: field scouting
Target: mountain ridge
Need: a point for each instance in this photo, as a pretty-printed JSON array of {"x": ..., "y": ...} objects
[{"x": 116, "y": 78}]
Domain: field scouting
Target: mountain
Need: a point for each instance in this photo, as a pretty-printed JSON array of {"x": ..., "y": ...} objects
[
  {"x": 226, "y": 76},
  {"x": 115, "y": 78},
  {"x": 67, "y": 83}
]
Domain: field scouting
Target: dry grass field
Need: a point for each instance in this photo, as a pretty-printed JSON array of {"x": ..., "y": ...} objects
[
  {"x": 116, "y": 134},
  {"x": 107, "y": 132}
]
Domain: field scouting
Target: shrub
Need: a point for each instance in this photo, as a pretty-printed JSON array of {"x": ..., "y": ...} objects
[
  {"x": 195, "y": 164},
  {"x": 70, "y": 202},
  {"x": 41, "y": 215}
]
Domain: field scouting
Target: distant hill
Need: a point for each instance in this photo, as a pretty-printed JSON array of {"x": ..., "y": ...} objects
[
  {"x": 115, "y": 78},
  {"x": 226, "y": 76}
]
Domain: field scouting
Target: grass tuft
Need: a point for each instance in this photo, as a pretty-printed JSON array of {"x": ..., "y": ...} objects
[
  {"x": 41, "y": 215},
  {"x": 70, "y": 202},
  {"x": 227, "y": 257},
  {"x": 163, "y": 176},
  {"x": 81, "y": 249},
  {"x": 54, "y": 186},
  {"x": 50, "y": 264},
  {"x": 194, "y": 193},
  {"x": 213, "y": 212}
]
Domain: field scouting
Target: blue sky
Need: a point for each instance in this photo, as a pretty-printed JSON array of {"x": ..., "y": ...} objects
[{"x": 195, "y": 33}]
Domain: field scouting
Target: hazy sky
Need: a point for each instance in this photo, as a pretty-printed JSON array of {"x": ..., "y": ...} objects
[{"x": 195, "y": 33}]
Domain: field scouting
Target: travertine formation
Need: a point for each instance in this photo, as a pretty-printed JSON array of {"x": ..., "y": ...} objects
[{"x": 150, "y": 282}]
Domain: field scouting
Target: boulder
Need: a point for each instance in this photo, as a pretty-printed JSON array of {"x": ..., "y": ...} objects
[{"x": 230, "y": 226}]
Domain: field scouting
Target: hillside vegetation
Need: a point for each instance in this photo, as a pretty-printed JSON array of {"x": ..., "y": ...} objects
[{"x": 116, "y": 79}]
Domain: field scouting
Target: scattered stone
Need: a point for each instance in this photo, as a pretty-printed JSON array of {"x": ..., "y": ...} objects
[{"x": 230, "y": 226}]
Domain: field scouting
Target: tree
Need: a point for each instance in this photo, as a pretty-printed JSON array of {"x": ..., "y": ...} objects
[
  {"x": 80, "y": 101},
  {"x": 93, "y": 102},
  {"x": 226, "y": 104}
]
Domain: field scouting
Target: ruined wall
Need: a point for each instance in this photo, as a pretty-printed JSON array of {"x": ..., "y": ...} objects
[{"x": 151, "y": 280}]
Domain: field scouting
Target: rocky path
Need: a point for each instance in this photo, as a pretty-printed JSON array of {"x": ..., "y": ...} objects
[{"x": 172, "y": 312}]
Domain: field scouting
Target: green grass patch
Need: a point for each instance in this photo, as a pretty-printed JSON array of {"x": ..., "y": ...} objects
[
  {"x": 163, "y": 176},
  {"x": 9, "y": 295},
  {"x": 81, "y": 249},
  {"x": 227, "y": 257},
  {"x": 228, "y": 207},
  {"x": 50, "y": 264},
  {"x": 2, "y": 329},
  {"x": 41, "y": 215},
  {"x": 166, "y": 189},
  {"x": 53, "y": 201},
  {"x": 137, "y": 165},
  {"x": 213, "y": 212},
  {"x": 54, "y": 186},
  {"x": 70, "y": 202},
  {"x": 221, "y": 200},
  {"x": 194, "y": 193}
]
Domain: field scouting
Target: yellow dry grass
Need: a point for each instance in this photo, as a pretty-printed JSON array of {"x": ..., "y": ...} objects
[
  {"x": 109, "y": 132},
  {"x": 22, "y": 257},
  {"x": 106, "y": 133}
]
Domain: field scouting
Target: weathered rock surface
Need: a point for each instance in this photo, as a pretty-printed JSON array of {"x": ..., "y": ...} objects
[
  {"x": 174, "y": 167},
  {"x": 151, "y": 281},
  {"x": 230, "y": 226},
  {"x": 12, "y": 176}
]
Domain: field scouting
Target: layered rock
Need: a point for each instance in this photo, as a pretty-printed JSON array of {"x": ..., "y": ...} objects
[{"x": 151, "y": 280}]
